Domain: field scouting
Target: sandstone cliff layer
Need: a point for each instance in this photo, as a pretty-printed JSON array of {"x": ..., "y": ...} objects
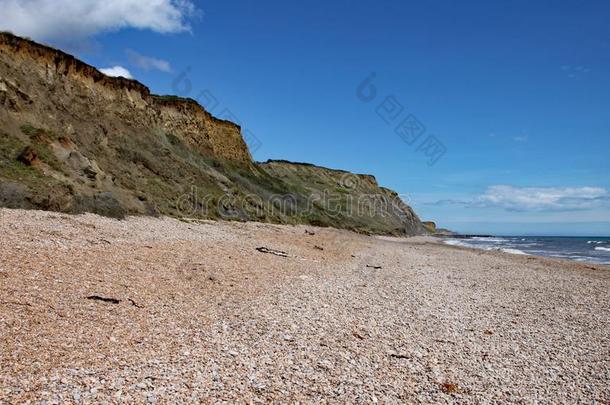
[
  {"x": 75, "y": 140},
  {"x": 51, "y": 89}
]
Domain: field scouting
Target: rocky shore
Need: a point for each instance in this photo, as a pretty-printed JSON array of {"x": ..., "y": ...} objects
[{"x": 157, "y": 310}]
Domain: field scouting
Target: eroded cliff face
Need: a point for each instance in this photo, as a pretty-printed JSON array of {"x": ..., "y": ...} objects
[
  {"x": 48, "y": 88},
  {"x": 74, "y": 140},
  {"x": 354, "y": 200}
]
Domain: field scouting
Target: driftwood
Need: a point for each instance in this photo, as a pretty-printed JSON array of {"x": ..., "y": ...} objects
[
  {"x": 103, "y": 299},
  {"x": 272, "y": 251}
]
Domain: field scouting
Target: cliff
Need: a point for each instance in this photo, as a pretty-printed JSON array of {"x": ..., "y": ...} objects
[
  {"x": 42, "y": 85},
  {"x": 75, "y": 140},
  {"x": 354, "y": 200}
]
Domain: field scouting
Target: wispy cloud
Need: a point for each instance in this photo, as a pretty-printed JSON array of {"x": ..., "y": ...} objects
[
  {"x": 78, "y": 20},
  {"x": 574, "y": 72},
  {"x": 519, "y": 137},
  {"x": 513, "y": 198},
  {"x": 117, "y": 71},
  {"x": 543, "y": 198},
  {"x": 147, "y": 62}
]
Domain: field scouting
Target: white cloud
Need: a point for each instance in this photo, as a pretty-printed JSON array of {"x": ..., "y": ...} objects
[
  {"x": 147, "y": 63},
  {"x": 543, "y": 198},
  {"x": 76, "y": 20},
  {"x": 117, "y": 71},
  {"x": 513, "y": 198}
]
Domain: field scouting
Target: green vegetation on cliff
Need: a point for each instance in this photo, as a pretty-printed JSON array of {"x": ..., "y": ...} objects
[{"x": 73, "y": 140}]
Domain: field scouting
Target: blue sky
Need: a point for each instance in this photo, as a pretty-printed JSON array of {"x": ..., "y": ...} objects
[{"x": 517, "y": 93}]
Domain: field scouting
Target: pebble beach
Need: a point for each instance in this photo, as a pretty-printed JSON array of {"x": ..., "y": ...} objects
[{"x": 159, "y": 310}]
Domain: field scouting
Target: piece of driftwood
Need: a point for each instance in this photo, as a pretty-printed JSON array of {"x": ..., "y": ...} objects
[
  {"x": 103, "y": 299},
  {"x": 272, "y": 251}
]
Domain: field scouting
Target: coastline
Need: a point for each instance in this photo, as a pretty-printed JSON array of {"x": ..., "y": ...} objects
[
  {"x": 202, "y": 314},
  {"x": 580, "y": 249}
]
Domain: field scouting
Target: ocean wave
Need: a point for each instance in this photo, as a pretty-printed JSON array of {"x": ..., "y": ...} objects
[
  {"x": 489, "y": 239},
  {"x": 514, "y": 251},
  {"x": 456, "y": 242},
  {"x": 549, "y": 248}
]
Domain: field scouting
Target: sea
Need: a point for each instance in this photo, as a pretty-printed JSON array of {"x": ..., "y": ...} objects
[{"x": 580, "y": 249}]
